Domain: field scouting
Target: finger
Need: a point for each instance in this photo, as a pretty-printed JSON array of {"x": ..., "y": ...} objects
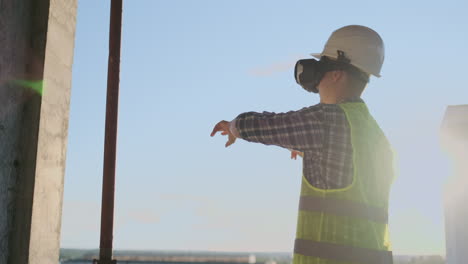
[
  {"x": 225, "y": 133},
  {"x": 294, "y": 154},
  {"x": 220, "y": 126},
  {"x": 230, "y": 141},
  {"x": 216, "y": 128}
]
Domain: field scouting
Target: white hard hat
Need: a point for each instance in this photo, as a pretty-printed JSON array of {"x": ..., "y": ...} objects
[{"x": 361, "y": 45}]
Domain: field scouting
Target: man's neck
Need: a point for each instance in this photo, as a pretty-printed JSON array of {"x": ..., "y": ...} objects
[{"x": 338, "y": 99}]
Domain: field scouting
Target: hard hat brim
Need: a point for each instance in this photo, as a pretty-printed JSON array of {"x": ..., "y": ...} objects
[{"x": 316, "y": 55}]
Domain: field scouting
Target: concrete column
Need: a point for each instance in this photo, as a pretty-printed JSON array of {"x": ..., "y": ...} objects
[
  {"x": 36, "y": 55},
  {"x": 454, "y": 139}
]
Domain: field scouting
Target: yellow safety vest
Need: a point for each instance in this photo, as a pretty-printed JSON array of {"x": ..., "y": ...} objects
[{"x": 349, "y": 225}]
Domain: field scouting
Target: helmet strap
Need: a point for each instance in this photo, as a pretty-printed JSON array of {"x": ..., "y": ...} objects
[
  {"x": 346, "y": 65},
  {"x": 342, "y": 57}
]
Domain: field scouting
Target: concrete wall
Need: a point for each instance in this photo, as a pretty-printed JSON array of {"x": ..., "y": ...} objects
[
  {"x": 456, "y": 233},
  {"x": 37, "y": 42},
  {"x": 454, "y": 133}
]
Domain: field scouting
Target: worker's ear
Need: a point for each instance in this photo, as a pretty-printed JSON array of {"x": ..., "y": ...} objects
[{"x": 337, "y": 75}]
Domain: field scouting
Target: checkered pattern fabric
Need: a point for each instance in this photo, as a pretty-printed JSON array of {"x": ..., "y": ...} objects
[{"x": 321, "y": 132}]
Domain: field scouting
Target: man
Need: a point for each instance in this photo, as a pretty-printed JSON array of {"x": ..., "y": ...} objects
[{"x": 347, "y": 160}]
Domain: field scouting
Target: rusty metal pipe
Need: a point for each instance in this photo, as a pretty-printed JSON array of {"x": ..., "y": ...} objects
[{"x": 108, "y": 183}]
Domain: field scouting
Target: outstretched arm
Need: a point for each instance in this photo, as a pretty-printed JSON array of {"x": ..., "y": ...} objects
[{"x": 299, "y": 130}]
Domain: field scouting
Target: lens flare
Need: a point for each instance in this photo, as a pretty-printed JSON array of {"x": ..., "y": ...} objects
[{"x": 36, "y": 86}]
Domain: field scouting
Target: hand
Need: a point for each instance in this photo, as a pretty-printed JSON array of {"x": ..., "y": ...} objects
[
  {"x": 294, "y": 154},
  {"x": 223, "y": 127}
]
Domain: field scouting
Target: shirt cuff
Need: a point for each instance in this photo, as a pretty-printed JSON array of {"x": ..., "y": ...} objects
[{"x": 233, "y": 129}]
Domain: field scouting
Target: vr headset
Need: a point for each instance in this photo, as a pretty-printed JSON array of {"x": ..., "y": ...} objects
[{"x": 309, "y": 72}]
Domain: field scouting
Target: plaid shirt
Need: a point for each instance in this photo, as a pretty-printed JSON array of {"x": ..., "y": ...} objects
[{"x": 321, "y": 132}]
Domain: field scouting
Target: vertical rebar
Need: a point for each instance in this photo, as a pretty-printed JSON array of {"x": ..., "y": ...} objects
[{"x": 108, "y": 183}]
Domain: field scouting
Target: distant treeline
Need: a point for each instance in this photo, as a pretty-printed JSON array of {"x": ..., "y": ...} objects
[{"x": 134, "y": 256}]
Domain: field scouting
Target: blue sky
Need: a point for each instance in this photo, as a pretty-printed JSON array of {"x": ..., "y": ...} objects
[{"x": 188, "y": 64}]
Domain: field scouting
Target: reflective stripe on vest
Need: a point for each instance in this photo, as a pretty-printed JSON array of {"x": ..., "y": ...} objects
[
  {"x": 343, "y": 208},
  {"x": 342, "y": 252}
]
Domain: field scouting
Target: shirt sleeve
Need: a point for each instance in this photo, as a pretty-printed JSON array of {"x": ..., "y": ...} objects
[{"x": 299, "y": 130}]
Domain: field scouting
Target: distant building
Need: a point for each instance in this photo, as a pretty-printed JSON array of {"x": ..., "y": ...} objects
[{"x": 454, "y": 138}]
